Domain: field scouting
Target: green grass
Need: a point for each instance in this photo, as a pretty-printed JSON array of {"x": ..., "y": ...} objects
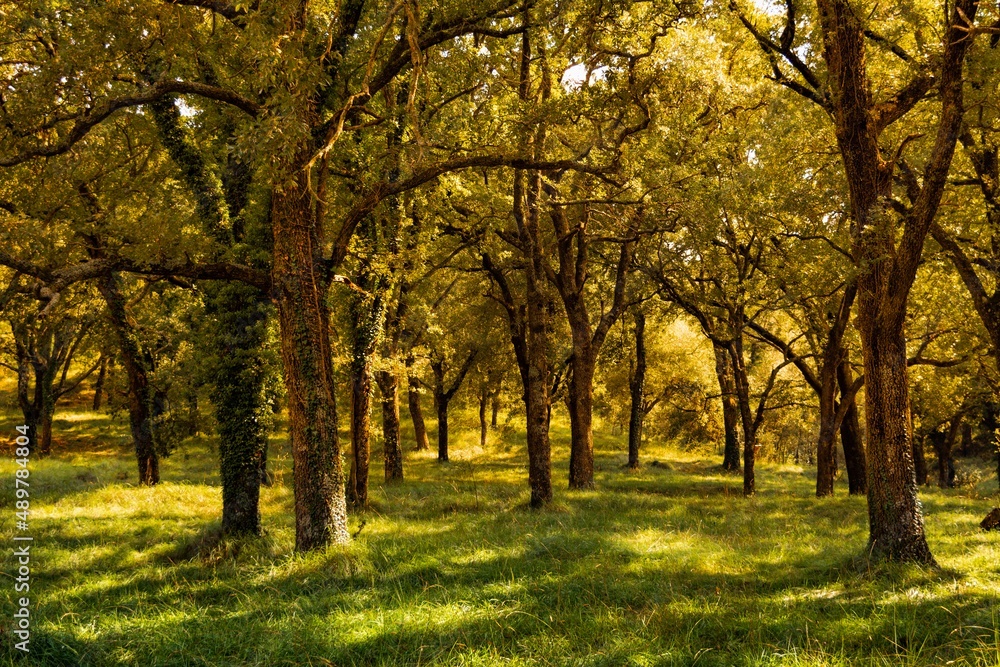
[{"x": 666, "y": 566}]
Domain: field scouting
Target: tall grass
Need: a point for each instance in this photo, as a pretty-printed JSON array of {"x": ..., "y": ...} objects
[{"x": 665, "y": 566}]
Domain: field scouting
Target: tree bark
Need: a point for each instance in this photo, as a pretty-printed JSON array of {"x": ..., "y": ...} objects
[
  {"x": 140, "y": 393},
  {"x": 944, "y": 445},
  {"x": 850, "y": 435},
  {"x": 495, "y": 407},
  {"x": 361, "y": 398},
  {"x": 730, "y": 410},
  {"x": 99, "y": 384},
  {"x": 636, "y": 386},
  {"x": 392, "y": 449},
  {"x": 237, "y": 335},
  {"x": 416, "y": 414},
  {"x": 299, "y": 282},
  {"x": 483, "y": 425}
]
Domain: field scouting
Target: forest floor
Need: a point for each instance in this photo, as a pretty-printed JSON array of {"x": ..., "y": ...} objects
[{"x": 664, "y": 566}]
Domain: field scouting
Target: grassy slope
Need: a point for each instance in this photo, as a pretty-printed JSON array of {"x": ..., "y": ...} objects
[{"x": 668, "y": 566}]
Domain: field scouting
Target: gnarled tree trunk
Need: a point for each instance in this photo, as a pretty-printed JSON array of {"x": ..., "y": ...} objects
[{"x": 299, "y": 284}]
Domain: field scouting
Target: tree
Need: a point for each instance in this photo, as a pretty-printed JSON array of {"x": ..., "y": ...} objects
[{"x": 888, "y": 238}]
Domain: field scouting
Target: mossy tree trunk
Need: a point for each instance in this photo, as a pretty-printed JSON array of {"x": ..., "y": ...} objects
[{"x": 299, "y": 278}]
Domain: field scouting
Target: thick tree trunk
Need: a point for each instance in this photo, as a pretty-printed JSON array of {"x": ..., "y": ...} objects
[
  {"x": 896, "y": 525},
  {"x": 392, "y": 449},
  {"x": 850, "y": 435},
  {"x": 730, "y": 409},
  {"x": 299, "y": 283},
  {"x": 889, "y": 265},
  {"x": 417, "y": 414},
  {"x": 45, "y": 432},
  {"x": 99, "y": 384},
  {"x": 636, "y": 386},
  {"x": 140, "y": 393},
  {"x": 238, "y": 333}
]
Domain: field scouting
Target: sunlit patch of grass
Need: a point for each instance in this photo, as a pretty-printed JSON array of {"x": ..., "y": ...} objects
[{"x": 667, "y": 565}]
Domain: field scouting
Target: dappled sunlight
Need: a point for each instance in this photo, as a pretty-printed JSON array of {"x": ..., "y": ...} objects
[{"x": 664, "y": 565}]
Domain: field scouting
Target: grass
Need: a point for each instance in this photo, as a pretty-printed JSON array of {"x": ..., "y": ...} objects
[{"x": 665, "y": 566}]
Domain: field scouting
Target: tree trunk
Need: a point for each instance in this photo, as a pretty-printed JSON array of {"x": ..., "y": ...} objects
[
  {"x": 944, "y": 445},
  {"x": 850, "y": 435},
  {"x": 730, "y": 409},
  {"x": 392, "y": 448},
  {"x": 483, "y": 426},
  {"x": 442, "y": 428},
  {"x": 99, "y": 384},
  {"x": 417, "y": 414},
  {"x": 237, "y": 335},
  {"x": 966, "y": 448},
  {"x": 826, "y": 445},
  {"x": 742, "y": 384},
  {"x": 581, "y": 411},
  {"x": 361, "y": 399},
  {"x": 299, "y": 283},
  {"x": 495, "y": 407},
  {"x": 45, "y": 436},
  {"x": 889, "y": 266},
  {"x": 896, "y": 525},
  {"x": 636, "y": 385},
  {"x": 140, "y": 393}
]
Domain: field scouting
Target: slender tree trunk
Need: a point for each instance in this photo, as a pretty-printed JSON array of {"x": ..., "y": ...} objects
[
  {"x": 442, "y": 428},
  {"x": 299, "y": 284},
  {"x": 826, "y": 459},
  {"x": 919, "y": 461},
  {"x": 392, "y": 448},
  {"x": 850, "y": 435},
  {"x": 743, "y": 400},
  {"x": 140, "y": 393},
  {"x": 636, "y": 385},
  {"x": 581, "y": 411},
  {"x": 417, "y": 414},
  {"x": 495, "y": 407},
  {"x": 99, "y": 384},
  {"x": 361, "y": 398},
  {"x": 483, "y": 426},
  {"x": 730, "y": 409},
  {"x": 944, "y": 444}
]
